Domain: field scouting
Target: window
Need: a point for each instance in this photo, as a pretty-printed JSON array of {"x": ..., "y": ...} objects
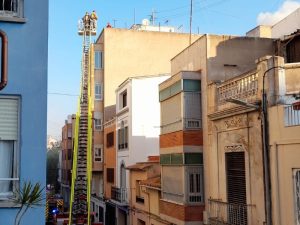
[
  {"x": 98, "y": 121},
  {"x": 110, "y": 140},
  {"x": 98, "y": 154},
  {"x": 11, "y": 8},
  {"x": 98, "y": 60},
  {"x": 123, "y": 100},
  {"x": 195, "y": 184},
  {"x": 69, "y": 154},
  {"x": 296, "y": 176},
  {"x": 69, "y": 132},
  {"x": 110, "y": 175},
  {"x": 9, "y": 131},
  {"x": 138, "y": 197},
  {"x": 98, "y": 91},
  {"x": 123, "y": 138}
]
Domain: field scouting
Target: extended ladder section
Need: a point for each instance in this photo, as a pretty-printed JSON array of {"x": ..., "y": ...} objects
[{"x": 82, "y": 154}]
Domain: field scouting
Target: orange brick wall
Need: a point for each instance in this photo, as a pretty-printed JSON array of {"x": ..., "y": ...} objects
[
  {"x": 109, "y": 160},
  {"x": 181, "y": 212},
  {"x": 180, "y": 138}
]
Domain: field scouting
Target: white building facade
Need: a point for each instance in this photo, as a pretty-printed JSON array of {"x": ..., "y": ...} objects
[{"x": 137, "y": 129}]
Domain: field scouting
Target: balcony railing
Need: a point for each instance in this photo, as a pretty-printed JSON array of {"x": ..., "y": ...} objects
[
  {"x": 228, "y": 213},
  {"x": 291, "y": 116},
  {"x": 243, "y": 88},
  {"x": 119, "y": 194}
]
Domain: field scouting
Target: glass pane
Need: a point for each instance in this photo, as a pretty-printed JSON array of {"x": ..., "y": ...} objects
[
  {"x": 191, "y": 85},
  {"x": 97, "y": 58},
  {"x": 6, "y": 165},
  {"x": 191, "y": 183}
]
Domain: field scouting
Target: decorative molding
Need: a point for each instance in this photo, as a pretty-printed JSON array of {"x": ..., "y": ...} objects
[
  {"x": 236, "y": 122},
  {"x": 234, "y": 148}
]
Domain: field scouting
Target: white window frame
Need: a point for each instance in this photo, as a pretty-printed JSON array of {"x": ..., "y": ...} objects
[
  {"x": 123, "y": 137},
  {"x": 98, "y": 124},
  {"x": 98, "y": 60},
  {"x": 6, "y": 197},
  {"x": 296, "y": 182},
  {"x": 98, "y": 119},
  {"x": 98, "y": 158},
  {"x": 194, "y": 170},
  {"x": 98, "y": 91}
]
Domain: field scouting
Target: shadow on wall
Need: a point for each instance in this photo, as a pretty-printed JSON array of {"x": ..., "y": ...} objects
[
  {"x": 235, "y": 56},
  {"x": 109, "y": 112}
]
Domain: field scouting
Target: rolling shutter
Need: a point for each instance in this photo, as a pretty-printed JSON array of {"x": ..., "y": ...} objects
[
  {"x": 9, "y": 118},
  {"x": 236, "y": 188}
]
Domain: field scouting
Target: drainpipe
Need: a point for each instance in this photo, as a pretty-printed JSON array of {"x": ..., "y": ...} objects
[
  {"x": 266, "y": 151},
  {"x": 4, "y": 44}
]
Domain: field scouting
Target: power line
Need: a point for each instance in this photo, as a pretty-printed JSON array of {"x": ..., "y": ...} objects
[{"x": 65, "y": 94}]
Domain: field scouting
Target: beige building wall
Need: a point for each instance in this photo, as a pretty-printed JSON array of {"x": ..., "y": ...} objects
[
  {"x": 285, "y": 149},
  {"x": 218, "y": 58},
  {"x": 129, "y": 53},
  {"x": 285, "y": 156}
]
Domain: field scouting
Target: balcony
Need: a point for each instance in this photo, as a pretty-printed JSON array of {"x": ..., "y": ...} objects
[
  {"x": 244, "y": 88},
  {"x": 119, "y": 195},
  {"x": 291, "y": 116},
  {"x": 224, "y": 213}
]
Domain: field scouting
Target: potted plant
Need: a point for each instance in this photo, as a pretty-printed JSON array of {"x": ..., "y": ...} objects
[{"x": 28, "y": 196}]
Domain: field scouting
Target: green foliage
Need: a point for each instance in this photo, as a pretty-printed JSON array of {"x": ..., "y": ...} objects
[
  {"x": 52, "y": 167},
  {"x": 28, "y": 196}
]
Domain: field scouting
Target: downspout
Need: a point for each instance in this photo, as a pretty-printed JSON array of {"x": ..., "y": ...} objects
[
  {"x": 266, "y": 150},
  {"x": 4, "y": 44}
]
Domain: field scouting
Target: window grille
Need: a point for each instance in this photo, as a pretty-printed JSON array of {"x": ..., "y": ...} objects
[
  {"x": 11, "y": 8},
  {"x": 195, "y": 184}
]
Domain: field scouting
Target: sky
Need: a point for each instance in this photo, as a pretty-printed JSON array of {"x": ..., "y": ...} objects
[{"x": 234, "y": 17}]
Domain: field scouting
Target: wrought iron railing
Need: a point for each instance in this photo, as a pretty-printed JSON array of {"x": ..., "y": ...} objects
[
  {"x": 119, "y": 194},
  {"x": 228, "y": 213},
  {"x": 242, "y": 88},
  {"x": 291, "y": 116},
  {"x": 9, "y": 7}
]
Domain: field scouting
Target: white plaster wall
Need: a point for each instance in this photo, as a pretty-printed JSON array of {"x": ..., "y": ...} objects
[
  {"x": 287, "y": 26},
  {"x": 145, "y": 118}
]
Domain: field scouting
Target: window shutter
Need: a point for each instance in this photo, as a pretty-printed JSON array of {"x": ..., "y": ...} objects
[{"x": 9, "y": 118}]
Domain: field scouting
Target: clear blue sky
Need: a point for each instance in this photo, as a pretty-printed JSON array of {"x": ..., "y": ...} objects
[{"x": 209, "y": 16}]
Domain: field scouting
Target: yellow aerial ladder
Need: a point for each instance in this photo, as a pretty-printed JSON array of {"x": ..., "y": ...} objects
[{"x": 82, "y": 154}]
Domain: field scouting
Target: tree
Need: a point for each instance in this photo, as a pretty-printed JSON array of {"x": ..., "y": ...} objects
[
  {"x": 52, "y": 167},
  {"x": 28, "y": 196}
]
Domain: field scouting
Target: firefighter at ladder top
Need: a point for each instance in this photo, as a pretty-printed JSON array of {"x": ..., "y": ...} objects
[
  {"x": 94, "y": 18},
  {"x": 90, "y": 19}
]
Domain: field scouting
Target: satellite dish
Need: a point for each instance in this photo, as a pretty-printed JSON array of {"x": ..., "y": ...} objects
[{"x": 145, "y": 22}]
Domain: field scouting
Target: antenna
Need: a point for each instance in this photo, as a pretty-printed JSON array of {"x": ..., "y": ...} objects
[
  {"x": 180, "y": 27},
  {"x": 134, "y": 16},
  {"x": 115, "y": 20},
  {"x": 152, "y": 17},
  {"x": 191, "y": 17}
]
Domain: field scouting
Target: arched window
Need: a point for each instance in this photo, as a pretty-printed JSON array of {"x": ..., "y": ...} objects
[{"x": 122, "y": 176}]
